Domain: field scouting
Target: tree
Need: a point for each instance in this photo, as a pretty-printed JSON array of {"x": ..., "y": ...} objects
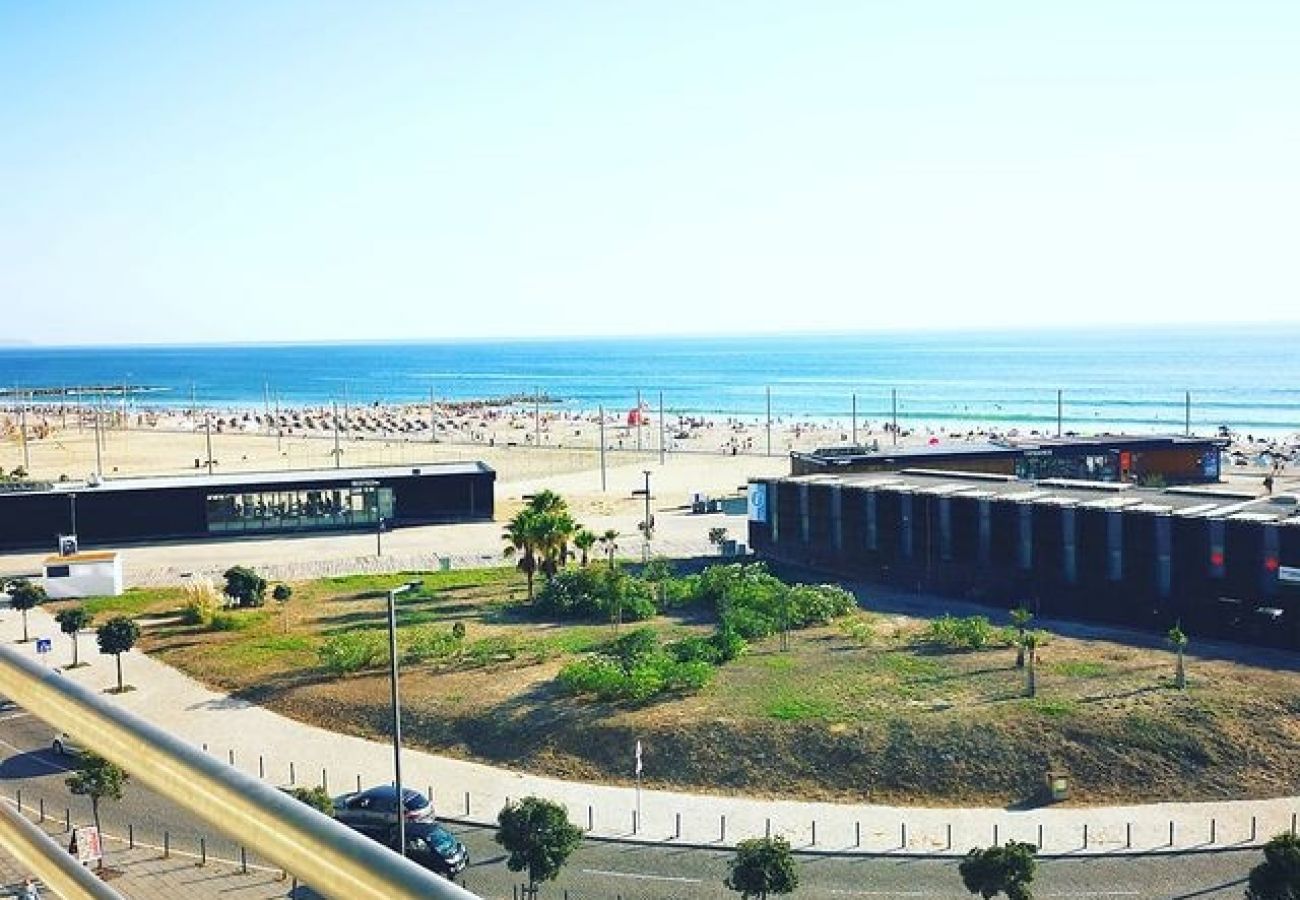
[
  {"x": 117, "y": 636},
  {"x": 1020, "y": 619},
  {"x": 72, "y": 620},
  {"x": 98, "y": 779},
  {"x": 1178, "y": 638},
  {"x": 538, "y": 836},
  {"x": 762, "y": 866},
  {"x": 1029, "y": 642},
  {"x": 1278, "y": 876},
  {"x": 609, "y": 543},
  {"x": 523, "y": 535},
  {"x": 23, "y": 595},
  {"x": 281, "y": 595},
  {"x": 245, "y": 586},
  {"x": 584, "y": 540},
  {"x": 555, "y": 530},
  {"x": 718, "y": 537},
  {"x": 1000, "y": 870},
  {"x": 316, "y": 797}
]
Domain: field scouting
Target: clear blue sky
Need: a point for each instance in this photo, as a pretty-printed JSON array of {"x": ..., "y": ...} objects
[{"x": 191, "y": 171}]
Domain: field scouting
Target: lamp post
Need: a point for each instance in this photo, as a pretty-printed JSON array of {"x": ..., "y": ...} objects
[
  {"x": 647, "y": 526},
  {"x": 397, "y": 710},
  {"x": 379, "y": 536}
]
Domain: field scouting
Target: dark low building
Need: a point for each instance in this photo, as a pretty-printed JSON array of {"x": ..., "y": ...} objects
[
  {"x": 33, "y": 514},
  {"x": 1222, "y": 563},
  {"x": 1123, "y": 458}
]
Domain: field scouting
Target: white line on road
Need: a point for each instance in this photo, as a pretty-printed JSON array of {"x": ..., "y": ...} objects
[
  {"x": 640, "y": 877},
  {"x": 17, "y": 715}
]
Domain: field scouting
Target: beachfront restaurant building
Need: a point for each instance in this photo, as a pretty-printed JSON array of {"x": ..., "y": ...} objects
[
  {"x": 1140, "y": 459},
  {"x": 1222, "y": 563},
  {"x": 187, "y": 507}
]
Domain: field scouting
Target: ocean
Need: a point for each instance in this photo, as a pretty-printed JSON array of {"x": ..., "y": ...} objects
[{"x": 1134, "y": 380}]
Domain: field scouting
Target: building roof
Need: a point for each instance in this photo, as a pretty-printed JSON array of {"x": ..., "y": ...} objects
[
  {"x": 342, "y": 476},
  {"x": 1011, "y": 447},
  {"x": 1279, "y": 508},
  {"x": 89, "y": 556}
]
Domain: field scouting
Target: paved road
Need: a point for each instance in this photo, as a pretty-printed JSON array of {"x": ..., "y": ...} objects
[{"x": 612, "y": 870}]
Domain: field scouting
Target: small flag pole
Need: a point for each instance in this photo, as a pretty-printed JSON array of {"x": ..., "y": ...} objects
[{"x": 638, "y": 784}]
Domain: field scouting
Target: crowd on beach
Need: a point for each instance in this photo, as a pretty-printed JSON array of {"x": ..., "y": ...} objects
[{"x": 510, "y": 423}]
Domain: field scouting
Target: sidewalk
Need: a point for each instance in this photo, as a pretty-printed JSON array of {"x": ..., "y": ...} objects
[{"x": 283, "y": 751}]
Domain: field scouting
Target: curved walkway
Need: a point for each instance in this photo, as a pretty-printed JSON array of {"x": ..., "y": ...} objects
[{"x": 282, "y": 751}]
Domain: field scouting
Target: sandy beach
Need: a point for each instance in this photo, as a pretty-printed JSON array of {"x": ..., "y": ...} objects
[{"x": 527, "y": 447}]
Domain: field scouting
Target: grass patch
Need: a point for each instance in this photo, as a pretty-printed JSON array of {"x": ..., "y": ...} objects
[
  {"x": 789, "y": 708},
  {"x": 1054, "y": 708},
  {"x": 133, "y": 602},
  {"x": 1080, "y": 668}
]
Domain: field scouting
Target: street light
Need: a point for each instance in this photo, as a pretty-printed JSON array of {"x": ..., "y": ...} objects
[
  {"x": 397, "y": 709},
  {"x": 647, "y": 526}
]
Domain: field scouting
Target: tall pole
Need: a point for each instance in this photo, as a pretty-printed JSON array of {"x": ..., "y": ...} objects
[
  {"x": 279, "y": 426},
  {"x": 379, "y": 536},
  {"x": 397, "y": 718},
  {"x": 338, "y": 453},
  {"x": 602, "y": 448},
  {"x": 1059, "y": 406},
  {"x": 99, "y": 453},
  {"x": 662, "y": 448},
  {"x": 433, "y": 420},
  {"x": 537, "y": 417},
  {"x": 1187, "y": 414},
  {"x": 207, "y": 418},
  {"x": 855, "y": 419},
  {"x": 638, "y": 418},
  {"x": 893, "y": 393},
  {"x": 769, "y": 420},
  {"x": 22, "y": 417},
  {"x": 648, "y": 526},
  {"x": 72, "y": 512}
]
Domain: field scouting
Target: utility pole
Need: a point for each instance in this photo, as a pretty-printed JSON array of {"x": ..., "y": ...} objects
[
  {"x": 602, "y": 449},
  {"x": 433, "y": 420},
  {"x": 537, "y": 417},
  {"x": 207, "y": 418},
  {"x": 893, "y": 392},
  {"x": 638, "y": 419},
  {"x": 338, "y": 452},
  {"x": 22, "y": 415},
  {"x": 99, "y": 452},
  {"x": 1059, "y": 408},
  {"x": 769, "y": 420},
  {"x": 662, "y": 449},
  {"x": 1187, "y": 414},
  {"x": 854, "y": 440}
]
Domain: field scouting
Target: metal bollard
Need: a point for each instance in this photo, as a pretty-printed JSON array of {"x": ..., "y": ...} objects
[
  {"x": 857, "y": 834},
  {"x": 205, "y": 746},
  {"x": 949, "y": 847},
  {"x": 723, "y": 830},
  {"x": 1171, "y": 832},
  {"x": 814, "y": 832},
  {"x": 324, "y": 780},
  {"x": 203, "y": 851},
  {"x": 591, "y": 818},
  {"x": 1085, "y": 835},
  {"x": 768, "y": 831},
  {"x": 19, "y": 793},
  {"x": 41, "y": 804},
  {"x": 130, "y": 836},
  {"x": 902, "y": 835},
  {"x": 1128, "y": 835},
  {"x": 292, "y": 780},
  {"x": 467, "y": 804},
  {"x": 261, "y": 766},
  {"x": 358, "y": 782},
  {"x": 678, "y": 832},
  {"x": 167, "y": 844},
  {"x": 1293, "y": 824},
  {"x": 67, "y": 819},
  {"x": 634, "y": 822},
  {"x": 1212, "y": 824},
  {"x": 1040, "y": 837},
  {"x": 232, "y": 756},
  {"x": 995, "y": 834},
  {"x": 1252, "y": 828},
  {"x": 243, "y": 860}
]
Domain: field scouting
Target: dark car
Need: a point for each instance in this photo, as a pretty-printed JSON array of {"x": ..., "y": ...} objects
[
  {"x": 431, "y": 846},
  {"x": 375, "y": 810}
]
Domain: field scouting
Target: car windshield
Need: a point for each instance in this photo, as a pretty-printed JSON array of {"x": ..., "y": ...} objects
[{"x": 442, "y": 840}]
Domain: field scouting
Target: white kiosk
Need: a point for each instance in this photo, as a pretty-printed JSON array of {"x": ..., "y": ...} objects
[{"x": 90, "y": 574}]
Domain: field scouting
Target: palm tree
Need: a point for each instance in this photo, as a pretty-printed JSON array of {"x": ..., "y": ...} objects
[
  {"x": 609, "y": 543},
  {"x": 523, "y": 535},
  {"x": 1020, "y": 619},
  {"x": 1029, "y": 646},
  {"x": 1178, "y": 638},
  {"x": 584, "y": 540},
  {"x": 547, "y": 501},
  {"x": 556, "y": 529}
]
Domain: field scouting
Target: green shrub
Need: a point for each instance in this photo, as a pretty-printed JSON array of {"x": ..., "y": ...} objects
[
  {"x": 952, "y": 633},
  {"x": 224, "y": 621},
  {"x": 596, "y": 592},
  {"x": 427, "y": 643},
  {"x": 636, "y": 669},
  {"x": 499, "y": 648},
  {"x": 859, "y": 629},
  {"x": 202, "y": 602},
  {"x": 352, "y": 651}
]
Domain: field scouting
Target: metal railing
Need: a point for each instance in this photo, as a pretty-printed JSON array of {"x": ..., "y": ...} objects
[
  {"x": 333, "y": 859},
  {"x": 40, "y": 853}
]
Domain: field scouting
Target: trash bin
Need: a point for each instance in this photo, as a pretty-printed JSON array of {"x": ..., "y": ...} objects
[{"x": 1058, "y": 786}]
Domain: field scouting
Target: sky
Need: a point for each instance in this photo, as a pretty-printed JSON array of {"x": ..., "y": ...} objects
[{"x": 281, "y": 171}]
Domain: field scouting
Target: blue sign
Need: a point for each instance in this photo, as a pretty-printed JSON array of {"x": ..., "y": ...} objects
[{"x": 44, "y": 645}]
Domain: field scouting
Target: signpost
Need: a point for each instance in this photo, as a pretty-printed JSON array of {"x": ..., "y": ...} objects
[{"x": 86, "y": 845}]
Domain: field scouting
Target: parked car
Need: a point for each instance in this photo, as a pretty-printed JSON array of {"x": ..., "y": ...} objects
[
  {"x": 66, "y": 746},
  {"x": 429, "y": 845},
  {"x": 374, "y": 810}
]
